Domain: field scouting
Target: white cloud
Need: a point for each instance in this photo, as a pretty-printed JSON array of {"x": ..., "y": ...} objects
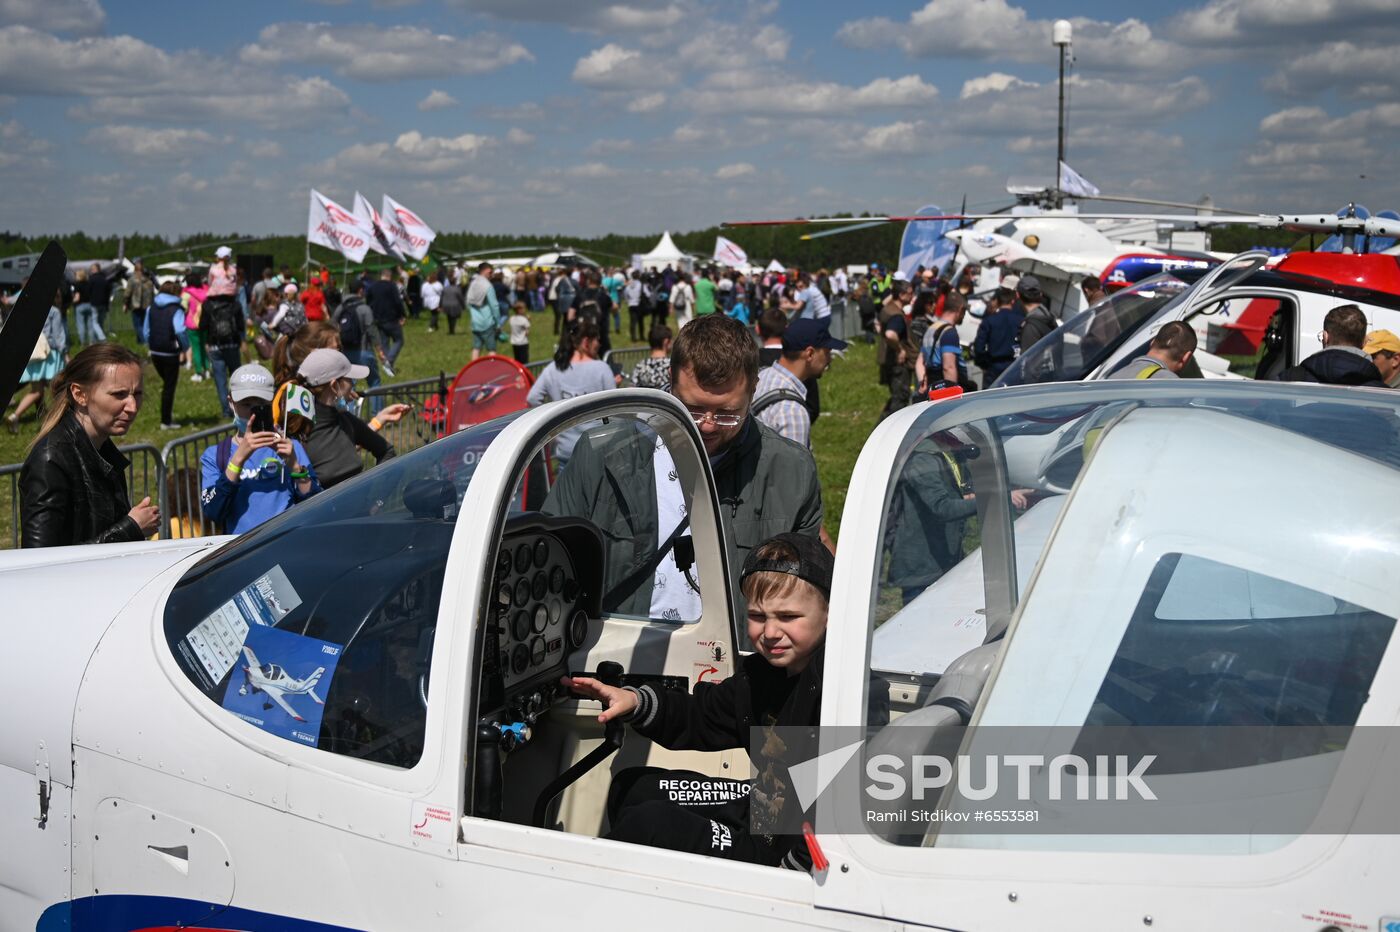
[
  {"x": 21, "y": 149},
  {"x": 437, "y": 100},
  {"x": 592, "y": 170},
  {"x": 370, "y": 52},
  {"x": 613, "y": 66},
  {"x": 996, "y": 30},
  {"x": 124, "y": 78},
  {"x": 264, "y": 149},
  {"x": 610, "y": 146},
  {"x": 519, "y": 137},
  {"x": 737, "y": 170},
  {"x": 718, "y": 43},
  {"x": 602, "y": 16},
  {"x": 150, "y": 144},
  {"x": 1265, "y": 23},
  {"x": 1364, "y": 71},
  {"x": 647, "y": 103},
  {"x": 81, "y": 17},
  {"x": 736, "y": 92},
  {"x": 411, "y": 154},
  {"x": 994, "y": 82}
]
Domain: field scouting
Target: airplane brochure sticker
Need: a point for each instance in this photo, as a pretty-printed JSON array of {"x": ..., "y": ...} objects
[
  {"x": 279, "y": 683},
  {"x": 215, "y": 642}
]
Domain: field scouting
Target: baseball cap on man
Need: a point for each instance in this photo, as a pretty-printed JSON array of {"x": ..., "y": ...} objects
[
  {"x": 805, "y": 332},
  {"x": 323, "y": 366},
  {"x": 223, "y": 252},
  {"x": 1381, "y": 341},
  {"x": 251, "y": 381},
  {"x": 1028, "y": 283}
]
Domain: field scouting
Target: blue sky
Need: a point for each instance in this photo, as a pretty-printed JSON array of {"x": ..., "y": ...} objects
[{"x": 595, "y": 116}]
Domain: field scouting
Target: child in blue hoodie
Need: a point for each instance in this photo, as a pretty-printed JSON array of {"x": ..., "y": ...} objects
[{"x": 256, "y": 475}]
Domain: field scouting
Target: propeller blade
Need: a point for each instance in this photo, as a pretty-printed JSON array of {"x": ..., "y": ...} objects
[{"x": 26, "y": 320}]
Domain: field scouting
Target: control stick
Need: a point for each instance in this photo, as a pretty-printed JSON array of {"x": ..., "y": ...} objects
[{"x": 609, "y": 672}]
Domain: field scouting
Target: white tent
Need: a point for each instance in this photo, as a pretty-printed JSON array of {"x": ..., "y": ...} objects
[
  {"x": 776, "y": 266},
  {"x": 665, "y": 253}
]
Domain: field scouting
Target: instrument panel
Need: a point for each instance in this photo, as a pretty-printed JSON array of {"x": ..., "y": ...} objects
[{"x": 539, "y": 618}]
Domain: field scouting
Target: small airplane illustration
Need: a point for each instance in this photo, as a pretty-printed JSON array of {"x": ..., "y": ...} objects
[{"x": 273, "y": 681}]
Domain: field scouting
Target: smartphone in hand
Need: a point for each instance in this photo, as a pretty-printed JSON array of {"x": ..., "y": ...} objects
[{"x": 261, "y": 419}]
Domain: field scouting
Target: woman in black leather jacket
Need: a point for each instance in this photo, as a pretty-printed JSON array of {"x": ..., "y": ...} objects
[{"x": 73, "y": 484}]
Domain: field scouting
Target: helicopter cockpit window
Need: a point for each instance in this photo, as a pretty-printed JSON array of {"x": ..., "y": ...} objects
[
  {"x": 1082, "y": 343},
  {"x": 318, "y": 626}
]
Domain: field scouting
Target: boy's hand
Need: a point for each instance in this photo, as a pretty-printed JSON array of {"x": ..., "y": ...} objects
[{"x": 617, "y": 702}]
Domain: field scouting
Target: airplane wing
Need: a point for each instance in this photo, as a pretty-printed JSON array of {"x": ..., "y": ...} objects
[
  {"x": 251, "y": 657},
  {"x": 276, "y": 696}
]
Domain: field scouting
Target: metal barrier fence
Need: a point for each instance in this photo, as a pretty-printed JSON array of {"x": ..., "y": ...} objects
[
  {"x": 145, "y": 475},
  {"x": 627, "y": 358},
  {"x": 181, "y": 510},
  {"x": 418, "y": 427},
  {"x": 845, "y": 319}
]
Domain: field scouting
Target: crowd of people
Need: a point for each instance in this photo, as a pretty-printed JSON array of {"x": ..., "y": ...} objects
[{"x": 255, "y": 342}]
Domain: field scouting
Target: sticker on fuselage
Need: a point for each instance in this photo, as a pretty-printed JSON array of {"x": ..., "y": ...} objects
[
  {"x": 280, "y": 683},
  {"x": 216, "y": 642}
]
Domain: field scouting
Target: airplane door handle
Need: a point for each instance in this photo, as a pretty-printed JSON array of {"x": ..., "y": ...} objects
[{"x": 41, "y": 775}]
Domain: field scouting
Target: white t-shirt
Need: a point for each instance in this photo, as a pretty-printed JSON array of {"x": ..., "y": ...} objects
[
  {"x": 519, "y": 330},
  {"x": 432, "y": 295},
  {"x": 673, "y": 598}
]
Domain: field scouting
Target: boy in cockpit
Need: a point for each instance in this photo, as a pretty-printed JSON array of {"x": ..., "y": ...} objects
[{"x": 787, "y": 582}]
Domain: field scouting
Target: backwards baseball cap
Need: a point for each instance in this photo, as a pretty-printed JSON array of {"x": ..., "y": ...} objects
[
  {"x": 1381, "y": 341},
  {"x": 251, "y": 381},
  {"x": 805, "y": 332},
  {"x": 1028, "y": 283},
  {"x": 223, "y": 252},
  {"x": 323, "y": 366},
  {"x": 814, "y": 563}
]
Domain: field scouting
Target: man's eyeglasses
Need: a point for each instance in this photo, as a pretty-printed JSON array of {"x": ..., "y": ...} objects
[{"x": 719, "y": 420}]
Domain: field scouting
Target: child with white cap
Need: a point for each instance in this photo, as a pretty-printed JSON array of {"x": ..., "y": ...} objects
[
  {"x": 333, "y": 434},
  {"x": 259, "y": 473}
]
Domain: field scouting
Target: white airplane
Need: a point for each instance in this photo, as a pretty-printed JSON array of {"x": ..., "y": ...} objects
[
  {"x": 453, "y": 782},
  {"x": 271, "y": 680}
]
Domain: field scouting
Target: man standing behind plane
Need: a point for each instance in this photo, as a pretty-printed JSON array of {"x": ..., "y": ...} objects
[
  {"x": 780, "y": 401},
  {"x": 1169, "y": 353},
  {"x": 766, "y": 484},
  {"x": 389, "y": 315},
  {"x": 1341, "y": 361},
  {"x": 1039, "y": 321},
  {"x": 1384, "y": 349},
  {"x": 895, "y": 353},
  {"x": 997, "y": 345}
]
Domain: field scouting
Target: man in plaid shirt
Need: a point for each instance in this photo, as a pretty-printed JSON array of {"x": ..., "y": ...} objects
[{"x": 780, "y": 397}]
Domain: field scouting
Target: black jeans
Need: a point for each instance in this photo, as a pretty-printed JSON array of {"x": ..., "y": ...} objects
[
  {"x": 897, "y": 377},
  {"x": 637, "y": 322},
  {"x": 168, "y": 368},
  {"x": 685, "y": 811}
]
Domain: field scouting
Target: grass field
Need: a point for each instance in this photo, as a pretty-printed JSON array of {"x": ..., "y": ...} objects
[{"x": 851, "y": 403}]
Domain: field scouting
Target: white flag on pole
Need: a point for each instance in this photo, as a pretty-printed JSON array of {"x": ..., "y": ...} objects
[
  {"x": 380, "y": 241},
  {"x": 729, "y": 253},
  {"x": 1075, "y": 184},
  {"x": 334, "y": 227},
  {"x": 407, "y": 233}
]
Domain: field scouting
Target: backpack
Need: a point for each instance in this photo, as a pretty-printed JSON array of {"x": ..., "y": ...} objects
[
  {"x": 293, "y": 320},
  {"x": 768, "y": 399},
  {"x": 590, "y": 309},
  {"x": 220, "y": 321},
  {"x": 352, "y": 334},
  {"x": 679, "y": 299}
]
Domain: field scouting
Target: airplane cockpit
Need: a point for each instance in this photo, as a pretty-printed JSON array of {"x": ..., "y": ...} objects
[{"x": 359, "y": 580}]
